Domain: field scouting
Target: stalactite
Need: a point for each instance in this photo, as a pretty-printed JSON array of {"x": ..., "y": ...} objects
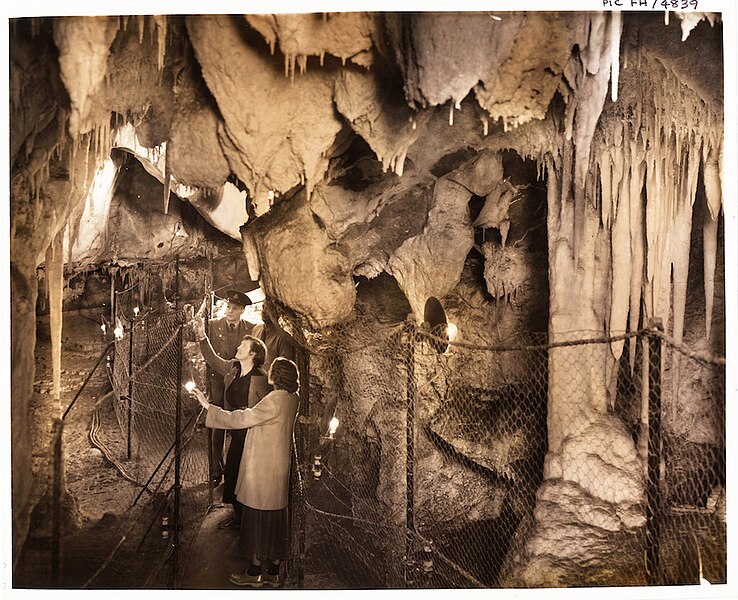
[
  {"x": 638, "y": 168},
  {"x": 589, "y": 85},
  {"x": 141, "y": 21},
  {"x": 55, "y": 283},
  {"x": 400, "y": 163},
  {"x": 620, "y": 252},
  {"x": 713, "y": 196},
  {"x": 161, "y": 28},
  {"x": 605, "y": 164},
  {"x": 616, "y": 28}
]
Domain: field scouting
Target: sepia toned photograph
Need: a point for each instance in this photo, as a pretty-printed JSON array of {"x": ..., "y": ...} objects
[{"x": 407, "y": 300}]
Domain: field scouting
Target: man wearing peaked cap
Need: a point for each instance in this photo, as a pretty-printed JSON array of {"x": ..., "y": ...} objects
[
  {"x": 237, "y": 298},
  {"x": 225, "y": 336}
]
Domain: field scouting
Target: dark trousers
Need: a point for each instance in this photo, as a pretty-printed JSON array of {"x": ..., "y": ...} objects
[{"x": 233, "y": 463}]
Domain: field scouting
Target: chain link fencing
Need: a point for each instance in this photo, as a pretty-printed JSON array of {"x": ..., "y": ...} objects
[
  {"x": 161, "y": 443},
  {"x": 153, "y": 435},
  {"x": 424, "y": 462},
  {"x": 434, "y": 476}
]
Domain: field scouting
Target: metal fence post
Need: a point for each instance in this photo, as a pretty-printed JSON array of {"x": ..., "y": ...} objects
[
  {"x": 302, "y": 512},
  {"x": 410, "y": 458},
  {"x": 130, "y": 389},
  {"x": 58, "y": 429},
  {"x": 653, "y": 505},
  {"x": 177, "y": 439}
]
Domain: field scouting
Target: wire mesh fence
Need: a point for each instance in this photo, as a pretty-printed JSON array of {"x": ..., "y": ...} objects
[
  {"x": 441, "y": 473},
  {"x": 424, "y": 462},
  {"x": 163, "y": 445},
  {"x": 154, "y": 436}
]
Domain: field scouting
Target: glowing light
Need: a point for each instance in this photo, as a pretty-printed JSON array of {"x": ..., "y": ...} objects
[
  {"x": 118, "y": 331},
  {"x": 104, "y": 328},
  {"x": 451, "y": 331},
  {"x": 136, "y": 310},
  {"x": 333, "y": 426},
  {"x": 190, "y": 385},
  {"x": 270, "y": 195}
]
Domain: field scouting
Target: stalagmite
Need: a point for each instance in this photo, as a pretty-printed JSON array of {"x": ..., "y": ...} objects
[{"x": 55, "y": 283}]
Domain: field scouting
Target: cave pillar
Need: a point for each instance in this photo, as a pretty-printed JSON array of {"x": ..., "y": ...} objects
[
  {"x": 593, "y": 476},
  {"x": 587, "y": 444},
  {"x": 38, "y": 216}
]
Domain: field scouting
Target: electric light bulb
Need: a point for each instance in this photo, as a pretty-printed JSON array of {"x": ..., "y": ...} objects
[
  {"x": 333, "y": 426},
  {"x": 104, "y": 328},
  {"x": 451, "y": 331},
  {"x": 190, "y": 385},
  {"x": 136, "y": 310},
  {"x": 118, "y": 331}
]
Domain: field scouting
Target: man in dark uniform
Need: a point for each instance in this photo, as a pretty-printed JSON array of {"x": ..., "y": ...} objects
[{"x": 225, "y": 336}]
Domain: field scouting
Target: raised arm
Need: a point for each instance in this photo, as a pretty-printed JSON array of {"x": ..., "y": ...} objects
[
  {"x": 263, "y": 412},
  {"x": 215, "y": 362}
]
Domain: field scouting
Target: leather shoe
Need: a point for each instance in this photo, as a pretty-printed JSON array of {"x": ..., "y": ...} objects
[{"x": 246, "y": 580}]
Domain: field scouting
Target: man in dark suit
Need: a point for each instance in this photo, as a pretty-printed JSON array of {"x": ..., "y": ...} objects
[{"x": 225, "y": 334}]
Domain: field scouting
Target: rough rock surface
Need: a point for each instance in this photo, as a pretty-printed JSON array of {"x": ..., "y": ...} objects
[
  {"x": 288, "y": 148},
  {"x": 347, "y": 36}
]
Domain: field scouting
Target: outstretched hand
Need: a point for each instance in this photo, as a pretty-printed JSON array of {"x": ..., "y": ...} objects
[
  {"x": 200, "y": 397},
  {"x": 198, "y": 327}
]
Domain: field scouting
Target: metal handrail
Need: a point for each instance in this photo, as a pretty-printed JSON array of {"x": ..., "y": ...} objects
[{"x": 87, "y": 379}]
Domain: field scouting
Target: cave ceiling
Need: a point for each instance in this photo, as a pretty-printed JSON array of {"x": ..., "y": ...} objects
[{"x": 350, "y": 140}]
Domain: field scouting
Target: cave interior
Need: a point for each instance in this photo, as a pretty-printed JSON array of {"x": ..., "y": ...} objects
[{"x": 548, "y": 177}]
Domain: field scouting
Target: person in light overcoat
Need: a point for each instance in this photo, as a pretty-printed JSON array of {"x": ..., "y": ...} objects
[{"x": 263, "y": 479}]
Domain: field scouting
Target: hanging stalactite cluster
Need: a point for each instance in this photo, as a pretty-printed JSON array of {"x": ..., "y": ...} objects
[{"x": 648, "y": 158}]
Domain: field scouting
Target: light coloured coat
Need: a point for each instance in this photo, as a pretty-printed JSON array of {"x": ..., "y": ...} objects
[{"x": 263, "y": 478}]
